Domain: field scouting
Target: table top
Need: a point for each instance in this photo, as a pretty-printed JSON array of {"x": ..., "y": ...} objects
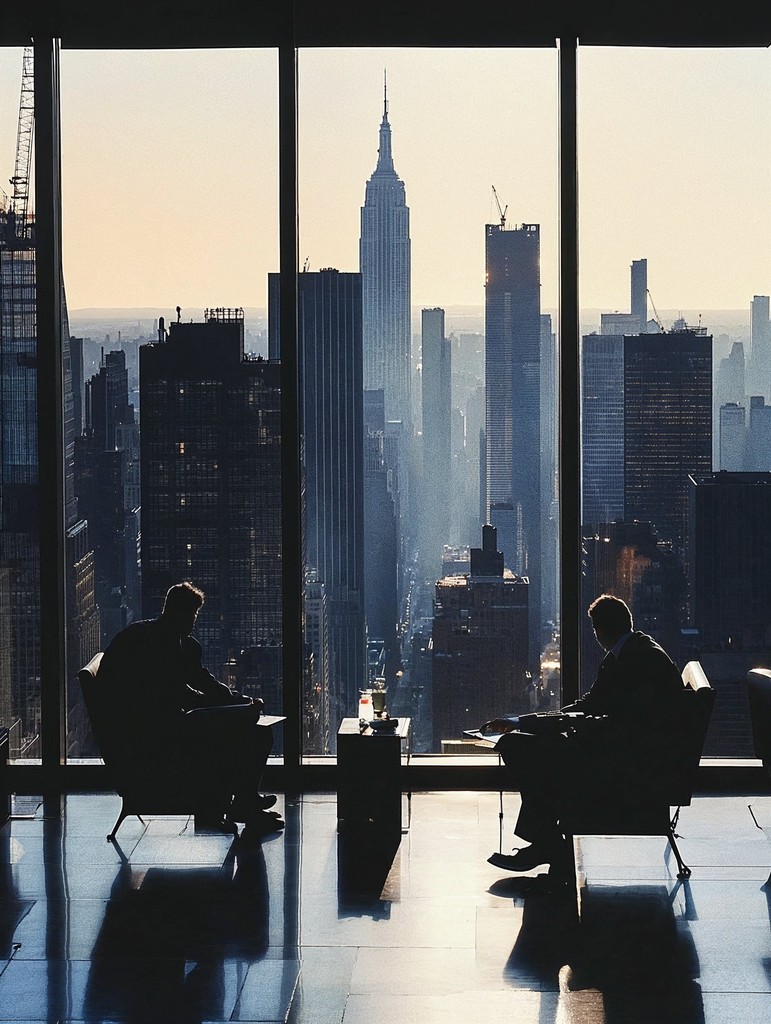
[{"x": 350, "y": 727}]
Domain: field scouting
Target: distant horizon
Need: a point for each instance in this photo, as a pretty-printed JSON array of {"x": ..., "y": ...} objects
[
  {"x": 145, "y": 312},
  {"x": 673, "y": 157}
]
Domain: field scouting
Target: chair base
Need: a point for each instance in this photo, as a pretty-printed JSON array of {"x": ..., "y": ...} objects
[
  {"x": 563, "y": 873},
  {"x": 124, "y": 813}
]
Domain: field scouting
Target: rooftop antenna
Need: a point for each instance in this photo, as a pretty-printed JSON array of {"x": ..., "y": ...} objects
[
  {"x": 179, "y": 314},
  {"x": 385, "y": 94},
  {"x": 501, "y": 212}
]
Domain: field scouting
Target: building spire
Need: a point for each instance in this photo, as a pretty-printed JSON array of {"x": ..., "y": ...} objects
[{"x": 385, "y": 161}]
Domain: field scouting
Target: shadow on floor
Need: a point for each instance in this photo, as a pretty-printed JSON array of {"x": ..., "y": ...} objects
[
  {"x": 365, "y": 854},
  {"x": 176, "y": 928},
  {"x": 629, "y": 949}
]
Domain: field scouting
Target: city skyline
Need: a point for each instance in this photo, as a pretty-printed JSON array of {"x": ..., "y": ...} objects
[{"x": 194, "y": 151}]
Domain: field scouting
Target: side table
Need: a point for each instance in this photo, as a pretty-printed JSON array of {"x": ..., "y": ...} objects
[{"x": 369, "y": 787}]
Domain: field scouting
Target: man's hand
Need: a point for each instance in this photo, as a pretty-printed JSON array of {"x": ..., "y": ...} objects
[{"x": 496, "y": 725}]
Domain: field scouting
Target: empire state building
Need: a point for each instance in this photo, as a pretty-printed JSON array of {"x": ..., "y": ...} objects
[{"x": 384, "y": 254}]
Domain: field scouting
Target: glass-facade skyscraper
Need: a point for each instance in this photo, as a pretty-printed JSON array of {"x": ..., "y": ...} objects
[
  {"x": 332, "y": 437},
  {"x": 602, "y": 428},
  {"x": 513, "y": 404},
  {"x": 667, "y": 426},
  {"x": 211, "y": 483}
]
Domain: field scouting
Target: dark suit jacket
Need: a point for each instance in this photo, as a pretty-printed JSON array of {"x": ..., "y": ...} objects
[
  {"x": 155, "y": 675},
  {"x": 636, "y": 688},
  {"x": 639, "y": 692}
]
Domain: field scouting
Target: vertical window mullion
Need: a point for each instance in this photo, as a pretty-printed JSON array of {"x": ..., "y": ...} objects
[
  {"x": 50, "y": 398},
  {"x": 291, "y": 517},
  {"x": 569, "y": 470}
]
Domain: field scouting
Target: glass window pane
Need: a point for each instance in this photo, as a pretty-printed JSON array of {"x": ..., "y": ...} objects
[
  {"x": 428, "y": 385},
  {"x": 170, "y": 214},
  {"x": 19, "y": 500},
  {"x": 675, "y": 214}
]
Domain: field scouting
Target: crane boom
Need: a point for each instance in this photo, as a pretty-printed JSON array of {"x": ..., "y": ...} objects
[
  {"x": 501, "y": 212},
  {"x": 24, "y": 135},
  {"x": 655, "y": 311}
]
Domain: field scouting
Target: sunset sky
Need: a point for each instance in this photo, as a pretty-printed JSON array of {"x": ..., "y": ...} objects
[{"x": 170, "y": 169}]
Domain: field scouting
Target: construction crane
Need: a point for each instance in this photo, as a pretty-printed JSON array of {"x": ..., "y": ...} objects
[
  {"x": 24, "y": 135},
  {"x": 655, "y": 311},
  {"x": 501, "y": 212}
]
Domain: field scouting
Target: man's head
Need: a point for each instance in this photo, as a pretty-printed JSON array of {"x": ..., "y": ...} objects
[
  {"x": 181, "y": 606},
  {"x": 611, "y": 618}
]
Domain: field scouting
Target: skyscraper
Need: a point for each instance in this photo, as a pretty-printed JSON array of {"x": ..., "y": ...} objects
[
  {"x": 667, "y": 426},
  {"x": 602, "y": 428},
  {"x": 435, "y": 490},
  {"x": 512, "y": 399},
  {"x": 332, "y": 432},
  {"x": 384, "y": 262},
  {"x": 639, "y": 293},
  {"x": 19, "y": 513},
  {"x": 211, "y": 481},
  {"x": 760, "y": 347},
  {"x": 106, "y": 454},
  {"x": 384, "y": 255},
  {"x": 380, "y": 536},
  {"x": 758, "y": 454},
  {"x": 729, "y": 599},
  {"x": 732, "y": 437},
  {"x": 19, "y": 498},
  {"x": 480, "y": 644},
  {"x": 729, "y": 560}
]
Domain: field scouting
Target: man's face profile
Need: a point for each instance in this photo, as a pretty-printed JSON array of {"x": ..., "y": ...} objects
[{"x": 182, "y": 619}]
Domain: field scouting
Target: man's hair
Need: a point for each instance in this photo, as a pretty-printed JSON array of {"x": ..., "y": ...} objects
[
  {"x": 183, "y": 596},
  {"x": 610, "y": 615}
]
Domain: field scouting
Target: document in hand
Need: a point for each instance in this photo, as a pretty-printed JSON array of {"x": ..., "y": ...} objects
[{"x": 490, "y": 737}]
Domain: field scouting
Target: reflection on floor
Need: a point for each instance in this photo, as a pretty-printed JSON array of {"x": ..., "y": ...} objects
[{"x": 318, "y": 927}]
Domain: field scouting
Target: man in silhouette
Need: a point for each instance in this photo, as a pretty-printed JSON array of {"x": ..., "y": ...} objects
[
  {"x": 190, "y": 732},
  {"x": 615, "y": 741}
]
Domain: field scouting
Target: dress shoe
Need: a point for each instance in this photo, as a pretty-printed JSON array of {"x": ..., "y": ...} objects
[
  {"x": 246, "y": 808},
  {"x": 523, "y": 860}
]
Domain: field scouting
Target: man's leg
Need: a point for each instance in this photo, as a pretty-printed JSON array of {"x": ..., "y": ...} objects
[
  {"x": 230, "y": 749},
  {"x": 536, "y": 765}
]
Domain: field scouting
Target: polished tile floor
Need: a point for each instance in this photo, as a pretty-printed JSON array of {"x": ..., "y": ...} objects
[{"x": 317, "y": 926}]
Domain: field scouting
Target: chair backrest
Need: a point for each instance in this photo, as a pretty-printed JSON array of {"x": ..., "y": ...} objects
[
  {"x": 759, "y": 696},
  {"x": 689, "y": 732},
  {"x": 96, "y": 706}
]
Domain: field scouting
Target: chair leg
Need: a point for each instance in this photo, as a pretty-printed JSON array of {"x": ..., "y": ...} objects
[
  {"x": 563, "y": 873},
  {"x": 684, "y": 871},
  {"x": 123, "y": 814}
]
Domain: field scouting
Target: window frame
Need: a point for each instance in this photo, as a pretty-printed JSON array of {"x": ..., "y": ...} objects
[{"x": 288, "y": 28}]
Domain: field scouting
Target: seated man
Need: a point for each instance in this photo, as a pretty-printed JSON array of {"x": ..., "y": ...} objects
[
  {"x": 153, "y": 673},
  {"x": 615, "y": 745}
]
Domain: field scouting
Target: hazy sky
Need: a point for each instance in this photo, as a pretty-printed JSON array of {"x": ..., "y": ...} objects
[{"x": 170, "y": 169}]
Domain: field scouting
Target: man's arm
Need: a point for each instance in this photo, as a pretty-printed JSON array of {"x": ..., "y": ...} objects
[
  {"x": 506, "y": 724},
  {"x": 201, "y": 683}
]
